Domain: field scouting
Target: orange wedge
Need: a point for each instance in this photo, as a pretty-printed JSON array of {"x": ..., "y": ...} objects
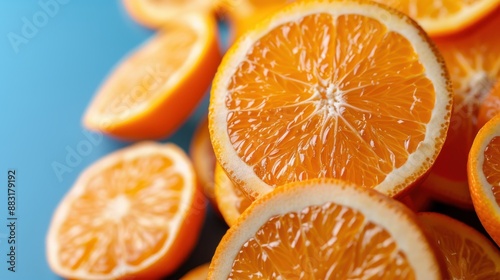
[
  {"x": 135, "y": 214},
  {"x": 231, "y": 201},
  {"x": 156, "y": 13},
  {"x": 444, "y": 17},
  {"x": 490, "y": 106},
  {"x": 154, "y": 90},
  {"x": 202, "y": 153},
  {"x": 325, "y": 229},
  {"x": 473, "y": 60},
  {"x": 198, "y": 273},
  {"x": 289, "y": 105},
  {"x": 467, "y": 253},
  {"x": 483, "y": 169}
]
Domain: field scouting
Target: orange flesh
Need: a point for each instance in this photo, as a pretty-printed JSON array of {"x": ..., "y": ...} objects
[
  {"x": 126, "y": 207},
  {"x": 135, "y": 86},
  {"x": 473, "y": 60},
  {"x": 352, "y": 99},
  {"x": 490, "y": 106},
  {"x": 464, "y": 257},
  {"x": 491, "y": 166},
  {"x": 430, "y": 9},
  {"x": 241, "y": 200},
  {"x": 321, "y": 242}
]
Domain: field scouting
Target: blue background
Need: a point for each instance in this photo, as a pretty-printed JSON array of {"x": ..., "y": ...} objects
[{"x": 45, "y": 87}]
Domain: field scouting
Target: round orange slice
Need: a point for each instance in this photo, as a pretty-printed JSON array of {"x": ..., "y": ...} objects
[
  {"x": 136, "y": 213},
  {"x": 483, "y": 169},
  {"x": 156, "y": 13},
  {"x": 490, "y": 107},
  {"x": 231, "y": 201},
  {"x": 325, "y": 229},
  {"x": 467, "y": 253},
  {"x": 197, "y": 273},
  {"x": 473, "y": 60},
  {"x": 446, "y": 16},
  {"x": 153, "y": 91},
  {"x": 202, "y": 153},
  {"x": 312, "y": 93}
]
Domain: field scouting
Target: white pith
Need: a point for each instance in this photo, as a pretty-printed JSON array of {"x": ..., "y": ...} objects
[{"x": 407, "y": 235}]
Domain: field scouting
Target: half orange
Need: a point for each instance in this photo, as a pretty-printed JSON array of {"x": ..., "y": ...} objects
[
  {"x": 467, "y": 253},
  {"x": 325, "y": 229},
  {"x": 136, "y": 213},
  {"x": 483, "y": 171},
  {"x": 473, "y": 60},
  {"x": 312, "y": 93},
  {"x": 153, "y": 91}
]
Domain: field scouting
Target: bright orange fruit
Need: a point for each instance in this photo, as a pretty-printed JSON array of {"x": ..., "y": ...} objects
[
  {"x": 202, "y": 153},
  {"x": 473, "y": 60},
  {"x": 444, "y": 17},
  {"x": 136, "y": 213},
  {"x": 231, "y": 201},
  {"x": 289, "y": 105},
  {"x": 467, "y": 253},
  {"x": 483, "y": 171},
  {"x": 154, "y": 90},
  {"x": 325, "y": 229}
]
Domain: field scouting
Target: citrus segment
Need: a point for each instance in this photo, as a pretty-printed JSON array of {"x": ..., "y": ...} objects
[
  {"x": 473, "y": 60},
  {"x": 484, "y": 176},
  {"x": 231, "y": 201},
  {"x": 446, "y": 16},
  {"x": 467, "y": 253},
  {"x": 289, "y": 105},
  {"x": 155, "y": 89},
  {"x": 325, "y": 230},
  {"x": 135, "y": 212}
]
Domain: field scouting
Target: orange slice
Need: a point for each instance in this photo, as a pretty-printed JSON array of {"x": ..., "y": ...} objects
[
  {"x": 289, "y": 105},
  {"x": 483, "y": 170},
  {"x": 245, "y": 14},
  {"x": 198, "y": 273},
  {"x": 202, "y": 153},
  {"x": 135, "y": 213},
  {"x": 490, "y": 107},
  {"x": 473, "y": 60},
  {"x": 231, "y": 201},
  {"x": 325, "y": 229},
  {"x": 446, "y": 16},
  {"x": 467, "y": 253},
  {"x": 154, "y": 90},
  {"x": 156, "y": 13}
]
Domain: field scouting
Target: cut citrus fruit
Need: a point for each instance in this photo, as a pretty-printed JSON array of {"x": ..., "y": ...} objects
[
  {"x": 231, "y": 201},
  {"x": 444, "y": 17},
  {"x": 135, "y": 213},
  {"x": 198, "y": 273},
  {"x": 490, "y": 107},
  {"x": 467, "y": 253},
  {"x": 202, "y": 153},
  {"x": 336, "y": 231},
  {"x": 247, "y": 13},
  {"x": 473, "y": 60},
  {"x": 484, "y": 176},
  {"x": 155, "y": 89},
  {"x": 289, "y": 105},
  {"x": 156, "y": 13}
]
